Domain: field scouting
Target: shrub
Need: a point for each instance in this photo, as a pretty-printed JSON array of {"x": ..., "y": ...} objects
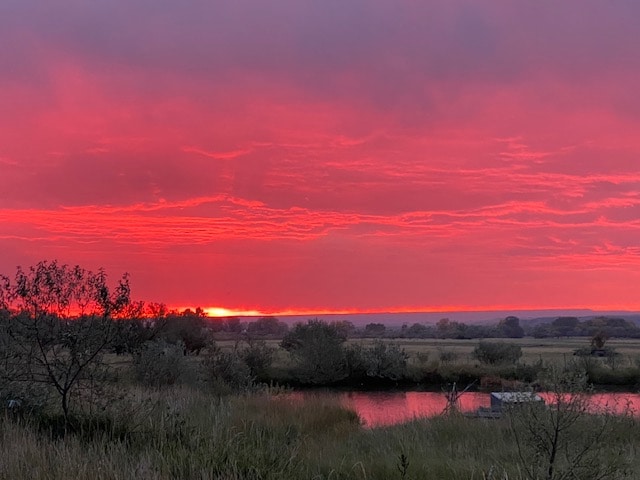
[
  {"x": 385, "y": 360},
  {"x": 492, "y": 353},
  {"x": 447, "y": 356},
  {"x": 422, "y": 358},
  {"x": 258, "y": 356},
  {"x": 381, "y": 360},
  {"x": 267, "y": 326},
  {"x": 228, "y": 371},
  {"x": 561, "y": 440},
  {"x": 160, "y": 364},
  {"x": 317, "y": 350},
  {"x": 189, "y": 329}
]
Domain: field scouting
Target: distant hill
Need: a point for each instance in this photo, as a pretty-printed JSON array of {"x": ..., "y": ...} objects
[{"x": 530, "y": 317}]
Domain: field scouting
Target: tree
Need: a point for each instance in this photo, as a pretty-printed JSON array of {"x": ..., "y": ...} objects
[
  {"x": 233, "y": 325},
  {"x": 443, "y": 327},
  {"x": 188, "y": 328},
  {"x": 598, "y": 340},
  {"x": 448, "y": 329},
  {"x": 140, "y": 323},
  {"x": 510, "y": 327},
  {"x": 375, "y": 329},
  {"x": 267, "y": 326},
  {"x": 417, "y": 330},
  {"x": 564, "y": 439},
  {"x": 345, "y": 327},
  {"x": 61, "y": 324},
  {"x": 565, "y": 326},
  {"x": 317, "y": 349}
]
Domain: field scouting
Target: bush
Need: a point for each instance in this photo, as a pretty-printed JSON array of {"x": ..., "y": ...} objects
[
  {"x": 621, "y": 377},
  {"x": 447, "y": 356},
  {"x": 258, "y": 356},
  {"x": 492, "y": 353},
  {"x": 385, "y": 360},
  {"x": 160, "y": 364},
  {"x": 382, "y": 360},
  {"x": 562, "y": 441},
  {"x": 317, "y": 350},
  {"x": 228, "y": 371},
  {"x": 189, "y": 329}
]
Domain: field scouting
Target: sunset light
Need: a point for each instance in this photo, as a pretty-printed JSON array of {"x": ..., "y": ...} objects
[
  {"x": 319, "y": 239},
  {"x": 297, "y": 157},
  {"x": 224, "y": 312}
]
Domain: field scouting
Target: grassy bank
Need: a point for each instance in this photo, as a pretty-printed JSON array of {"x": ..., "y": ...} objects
[
  {"x": 432, "y": 363},
  {"x": 187, "y": 434}
]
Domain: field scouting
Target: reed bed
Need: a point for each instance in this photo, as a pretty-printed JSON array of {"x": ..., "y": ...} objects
[{"x": 183, "y": 433}]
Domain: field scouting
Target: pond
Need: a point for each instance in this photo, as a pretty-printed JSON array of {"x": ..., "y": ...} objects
[{"x": 389, "y": 408}]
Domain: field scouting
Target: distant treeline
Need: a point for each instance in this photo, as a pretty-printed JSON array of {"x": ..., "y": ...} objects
[
  {"x": 512, "y": 327},
  {"x": 509, "y": 327}
]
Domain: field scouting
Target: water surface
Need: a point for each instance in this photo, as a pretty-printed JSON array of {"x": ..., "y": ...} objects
[{"x": 390, "y": 408}]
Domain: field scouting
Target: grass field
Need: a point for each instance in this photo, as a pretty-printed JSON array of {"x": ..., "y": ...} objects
[
  {"x": 434, "y": 362},
  {"x": 557, "y": 351},
  {"x": 181, "y": 433},
  {"x": 552, "y": 350},
  {"x": 190, "y": 431}
]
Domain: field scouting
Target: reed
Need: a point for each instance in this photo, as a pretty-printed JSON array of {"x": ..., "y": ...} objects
[{"x": 187, "y": 434}]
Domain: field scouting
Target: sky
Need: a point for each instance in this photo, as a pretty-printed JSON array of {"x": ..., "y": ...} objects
[{"x": 327, "y": 156}]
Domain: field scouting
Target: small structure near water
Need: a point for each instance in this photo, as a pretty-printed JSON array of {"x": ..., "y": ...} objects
[{"x": 501, "y": 401}]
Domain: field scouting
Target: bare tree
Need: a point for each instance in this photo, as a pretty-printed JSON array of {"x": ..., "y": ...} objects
[
  {"x": 567, "y": 439},
  {"x": 59, "y": 326}
]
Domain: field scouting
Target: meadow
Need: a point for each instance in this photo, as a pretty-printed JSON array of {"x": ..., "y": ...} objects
[
  {"x": 186, "y": 433},
  {"x": 533, "y": 349},
  {"x": 192, "y": 429},
  {"x": 225, "y": 410},
  {"x": 161, "y": 396},
  {"x": 549, "y": 350},
  {"x": 434, "y": 362}
]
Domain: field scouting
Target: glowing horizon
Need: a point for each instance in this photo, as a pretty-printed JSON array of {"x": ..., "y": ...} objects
[
  {"x": 221, "y": 312},
  {"x": 327, "y": 157}
]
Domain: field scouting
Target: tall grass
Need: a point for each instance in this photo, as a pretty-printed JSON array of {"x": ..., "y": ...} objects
[{"x": 186, "y": 434}]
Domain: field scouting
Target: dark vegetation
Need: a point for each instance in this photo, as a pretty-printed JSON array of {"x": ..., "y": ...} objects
[
  {"x": 131, "y": 390},
  {"x": 511, "y": 327},
  {"x": 58, "y": 323}
]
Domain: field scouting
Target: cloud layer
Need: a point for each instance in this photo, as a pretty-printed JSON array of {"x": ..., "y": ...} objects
[{"x": 301, "y": 155}]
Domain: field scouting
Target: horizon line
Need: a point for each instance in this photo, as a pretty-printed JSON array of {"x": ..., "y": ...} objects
[{"x": 222, "y": 312}]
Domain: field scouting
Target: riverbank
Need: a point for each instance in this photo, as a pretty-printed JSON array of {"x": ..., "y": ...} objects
[
  {"x": 187, "y": 434},
  {"x": 432, "y": 364},
  {"x": 384, "y": 408},
  {"x": 479, "y": 377}
]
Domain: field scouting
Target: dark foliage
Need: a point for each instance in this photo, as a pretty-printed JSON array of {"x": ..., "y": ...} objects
[{"x": 493, "y": 353}]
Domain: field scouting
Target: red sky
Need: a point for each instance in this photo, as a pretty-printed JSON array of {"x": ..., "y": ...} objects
[{"x": 301, "y": 155}]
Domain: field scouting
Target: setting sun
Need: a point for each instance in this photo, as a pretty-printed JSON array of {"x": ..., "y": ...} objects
[{"x": 365, "y": 158}]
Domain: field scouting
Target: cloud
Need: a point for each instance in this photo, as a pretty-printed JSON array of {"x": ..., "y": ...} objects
[{"x": 393, "y": 152}]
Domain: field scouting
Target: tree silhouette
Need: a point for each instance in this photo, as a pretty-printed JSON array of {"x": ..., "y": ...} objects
[{"x": 60, "y": 324}]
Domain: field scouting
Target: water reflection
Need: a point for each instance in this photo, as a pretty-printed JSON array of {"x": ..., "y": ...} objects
[{"x": 390, "y": 408}]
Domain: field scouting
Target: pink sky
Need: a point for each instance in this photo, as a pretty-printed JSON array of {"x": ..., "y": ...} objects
[{"x": 325, "y": 156}]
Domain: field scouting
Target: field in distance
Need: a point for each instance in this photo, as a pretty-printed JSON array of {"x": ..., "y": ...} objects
[{"x": 549, "y": 350}]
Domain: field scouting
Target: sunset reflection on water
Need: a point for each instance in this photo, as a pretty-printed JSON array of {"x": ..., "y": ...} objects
[
  {"x": 389, "y": 408},
  {"x": 377, "y": 409}
]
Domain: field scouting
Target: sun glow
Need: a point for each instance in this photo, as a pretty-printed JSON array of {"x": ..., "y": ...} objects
[
  {"x": 225, "y": 312},
  {"x": 222, "y": 312}
]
